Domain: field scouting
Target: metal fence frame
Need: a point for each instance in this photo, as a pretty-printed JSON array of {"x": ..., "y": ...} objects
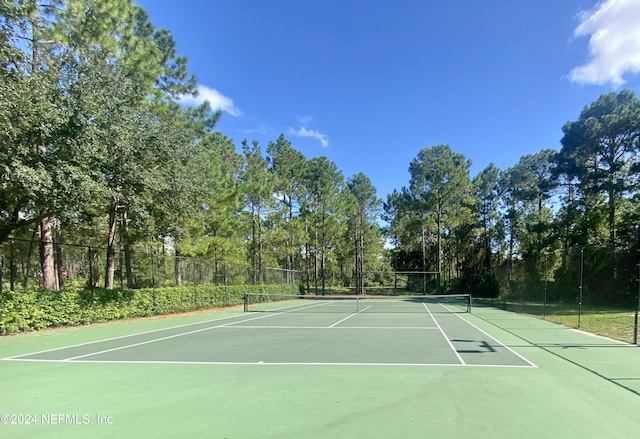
[{"x": 584, "y": 279}]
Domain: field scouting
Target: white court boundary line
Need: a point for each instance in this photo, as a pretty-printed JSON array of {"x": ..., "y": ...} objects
[{"x": 263, "y": 363}]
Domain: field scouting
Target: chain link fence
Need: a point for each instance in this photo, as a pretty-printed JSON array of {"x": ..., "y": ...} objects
[
  {"x": 594, "y": 288},
  {"x": 86, "y": 266},
  {"x": 144, "y": 283}
]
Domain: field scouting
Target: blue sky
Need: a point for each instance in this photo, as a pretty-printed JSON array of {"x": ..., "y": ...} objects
[{"x": 370, "y": 83}]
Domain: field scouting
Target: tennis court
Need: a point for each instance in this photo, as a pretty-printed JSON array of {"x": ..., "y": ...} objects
[
  {"x": 333, "y": 367},
  {"x": 329, "y": 331}
]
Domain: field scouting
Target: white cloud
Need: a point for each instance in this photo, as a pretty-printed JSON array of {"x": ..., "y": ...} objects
[
  {"x": 262, "y": 129},
  {"x": 304, "y": 120},
  {"x": 303, "y": 132},
  {"x": 216, "y": 99},
  {"x": 614, "y": 43}
]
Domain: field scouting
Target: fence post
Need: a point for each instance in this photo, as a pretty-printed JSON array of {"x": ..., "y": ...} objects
[
  {"x": 224, "y": 270},
  {"x": 120, "y": 263},
  {"x": 93, "y": 293},
  {"x": 524, "y": 285},
  {"x": 508, "y": 289},
  {"x": 195, "y": 291},
  {"x": 153, "y": 282},
  {"x": 580, "y": 287},
  {"x": 544, "y": 305},
  {"x": 635, "y": 318},
  {"x": 12, "y": 267}
]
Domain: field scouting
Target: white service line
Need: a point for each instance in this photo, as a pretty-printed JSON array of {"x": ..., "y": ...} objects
[
  {"x": 445, "y": 336},
  {"x": 340, "y": 321},
  {"x": 166, "y": 338},
  {"x": 498, "y": 341},
  {"x": 302, "y": 328}
]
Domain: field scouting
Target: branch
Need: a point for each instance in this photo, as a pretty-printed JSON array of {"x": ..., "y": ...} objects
[{"x": 7, "y": 228}]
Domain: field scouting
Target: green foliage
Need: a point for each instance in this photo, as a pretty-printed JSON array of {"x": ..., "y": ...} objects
[
  {"x": 599, "y": 157},
  {"x": 36, "y": 310}
]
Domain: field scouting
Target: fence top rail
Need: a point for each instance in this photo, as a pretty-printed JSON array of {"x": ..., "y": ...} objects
[{"x": 416, "y": 272}]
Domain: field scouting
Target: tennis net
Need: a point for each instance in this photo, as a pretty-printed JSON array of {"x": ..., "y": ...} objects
[{"x": 449, "y": 303}]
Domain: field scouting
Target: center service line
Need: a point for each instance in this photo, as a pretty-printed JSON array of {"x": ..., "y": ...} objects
[{"x": 340, "y": 321}]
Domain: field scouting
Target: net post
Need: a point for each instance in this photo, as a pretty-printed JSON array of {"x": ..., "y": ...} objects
[
  {"x": 245, "y": 301},
  {"x": 469, "y": 303}
]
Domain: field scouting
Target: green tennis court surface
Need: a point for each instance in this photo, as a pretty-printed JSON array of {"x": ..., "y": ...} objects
[{"x": 316, "y": 369}]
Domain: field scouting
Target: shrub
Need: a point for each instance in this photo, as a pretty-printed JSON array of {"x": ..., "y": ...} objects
[{"x": 37, "y": 309}]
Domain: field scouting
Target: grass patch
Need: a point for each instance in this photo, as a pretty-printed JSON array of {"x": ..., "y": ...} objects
[
  {"x": 617, "y": 325},
  {"x": 614, "y": 323}
]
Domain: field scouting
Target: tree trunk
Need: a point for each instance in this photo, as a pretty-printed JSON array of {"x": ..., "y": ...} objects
[
  {"x": 49, "y": 281},
  {"x": 315, "y": 257},
  {"x": 12, "y": 268},
  {"x": 253, "y": 246},
  {"x": 178, "y": 267},
  {"x": 25, "y": 263},
  {"x": 127, "y": 251},
  {"x": 58, "y": 263},
  {"x": 612, "y": 218},
  {"x": 111, "y": 253}
]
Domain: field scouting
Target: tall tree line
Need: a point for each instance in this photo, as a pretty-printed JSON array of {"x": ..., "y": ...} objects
[
  {"x": 586, "y": 192},
  {"x": 96, "y": 149}
]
